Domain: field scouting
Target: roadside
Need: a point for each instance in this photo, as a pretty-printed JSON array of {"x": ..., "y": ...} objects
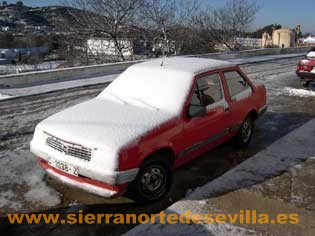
[{"x": 243, "y": 188}]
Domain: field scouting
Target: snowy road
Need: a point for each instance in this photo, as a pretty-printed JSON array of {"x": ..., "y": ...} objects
[{"x": 23, "y": 186}]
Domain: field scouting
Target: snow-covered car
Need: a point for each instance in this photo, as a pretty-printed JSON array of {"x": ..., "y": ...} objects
[
  {"x": 155, "y": 117},
  {"x": 306, "y": 67}
]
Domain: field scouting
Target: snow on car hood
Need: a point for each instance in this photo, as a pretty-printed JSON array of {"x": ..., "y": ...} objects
[{"x": 105, "y": 123}]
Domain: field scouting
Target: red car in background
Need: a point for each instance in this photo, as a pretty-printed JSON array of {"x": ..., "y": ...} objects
[{"x": 306, "y": 68}]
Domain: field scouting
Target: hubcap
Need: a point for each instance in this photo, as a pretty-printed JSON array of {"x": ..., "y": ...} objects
[
  {"x": 152, "y": 179},
  {"x": 246, "y": 131}
]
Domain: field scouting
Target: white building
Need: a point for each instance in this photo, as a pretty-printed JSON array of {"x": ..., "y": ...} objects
[
  {"x": 283, "y": 38},
  {"x": 249, "y": 42},
  {"x": 99, "y": 46}
]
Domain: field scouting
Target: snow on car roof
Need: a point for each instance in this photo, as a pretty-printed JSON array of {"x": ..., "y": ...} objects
[
  {"x": 185, "y": 64},
  {"x": 161, "y": 83}
]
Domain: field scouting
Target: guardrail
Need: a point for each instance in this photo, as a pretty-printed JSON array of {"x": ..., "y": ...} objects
[
  {"x": 253, "y": 53},
  {"x": 8, "y": 81},
  {"x": 56, "y": 75}
]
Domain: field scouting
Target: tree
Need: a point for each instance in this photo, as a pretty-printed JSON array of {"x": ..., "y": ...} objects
[
  {"x": 19, "y": 3},
  {"x": 224, "y": 25},
  {"x": 268, "y": 29},
  {"x": 6, "y": 40},
  {"x": 109, "y": 19},
  {"x": 167, "y": 19},
  {"x": 4, "y": 3}
]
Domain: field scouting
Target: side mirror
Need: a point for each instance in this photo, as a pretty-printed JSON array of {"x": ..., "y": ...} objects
[{"x": 196, "y": 111}]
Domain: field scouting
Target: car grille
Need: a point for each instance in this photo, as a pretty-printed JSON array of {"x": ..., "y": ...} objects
[{"x": 69, "y": 149}]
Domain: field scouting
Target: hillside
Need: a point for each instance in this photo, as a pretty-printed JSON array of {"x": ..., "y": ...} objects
[{"x": 24, "y": 19}]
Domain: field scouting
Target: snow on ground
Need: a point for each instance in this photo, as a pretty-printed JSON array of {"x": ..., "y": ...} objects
[
  {"x": 275, "y": 85},
  {"x": 52, "y": 86},
  {"x": 6, "y": 200},
  {"x": 256, "y": 59},
  {"x": 296, "y": 92},
  {"x": 282, "y": 155},
  {"x": 21, "y": 171},
  {"x": 3, "y": 96},
  {"x": 14, "y": 69}
]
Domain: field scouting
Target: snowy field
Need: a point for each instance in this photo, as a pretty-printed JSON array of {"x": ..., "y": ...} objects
[{"x": 24, "y": 187}]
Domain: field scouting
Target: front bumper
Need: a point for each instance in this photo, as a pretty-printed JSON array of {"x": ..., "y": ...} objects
[
  {"x": 86, "y": 169},
  {"x": 307, "y": 76},
  {"x": 84, "y": 183}
]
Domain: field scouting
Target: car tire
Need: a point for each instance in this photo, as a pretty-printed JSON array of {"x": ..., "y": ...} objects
[
  {"x": 306, "y": 84},
  {"x": 245, "y": 133},
  {"x": 153, "y": 181}
]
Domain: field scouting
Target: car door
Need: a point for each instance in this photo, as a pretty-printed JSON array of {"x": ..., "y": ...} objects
[
  {"x": 201, "y": 133},
  {"x": 240, "y": 92}
]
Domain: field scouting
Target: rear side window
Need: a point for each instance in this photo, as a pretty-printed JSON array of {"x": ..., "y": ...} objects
[
  {"x": 207, "y": 90},
  {"x": 236, "y": 83}
]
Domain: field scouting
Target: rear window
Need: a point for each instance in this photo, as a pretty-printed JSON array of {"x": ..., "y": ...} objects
[{"x": 236, "y": 83}]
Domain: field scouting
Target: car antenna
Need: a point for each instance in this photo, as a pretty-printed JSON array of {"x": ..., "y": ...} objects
[{"x": 162, "y": 62}]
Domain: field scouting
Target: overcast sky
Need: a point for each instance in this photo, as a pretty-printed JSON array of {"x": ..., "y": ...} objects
[{"x": 288, "y": 13}]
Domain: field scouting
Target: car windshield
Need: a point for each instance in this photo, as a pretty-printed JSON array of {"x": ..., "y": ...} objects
[{"x": 157, "y": 88}]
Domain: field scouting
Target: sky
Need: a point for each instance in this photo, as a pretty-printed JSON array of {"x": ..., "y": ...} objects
[{"x": 288, "y": 13}]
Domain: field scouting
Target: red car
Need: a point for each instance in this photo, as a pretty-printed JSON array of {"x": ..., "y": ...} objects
[
  {"x": 306, "y": 68},
  {"x": 155, "y": 117}
]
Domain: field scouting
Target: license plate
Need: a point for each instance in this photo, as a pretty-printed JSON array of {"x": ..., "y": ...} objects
[
  {"x": 63, "y": 167},
  {"x": 313, "y": 71}
]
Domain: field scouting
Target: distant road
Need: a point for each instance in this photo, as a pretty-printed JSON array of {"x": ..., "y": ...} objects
[{"x": 77, "y": 83}]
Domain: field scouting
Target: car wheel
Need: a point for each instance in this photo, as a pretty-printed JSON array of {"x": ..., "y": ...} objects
[
  {"x": 153, "y": 181},
  {"x": 245, "y": 133},
  {"x": 306, "y": 84}
]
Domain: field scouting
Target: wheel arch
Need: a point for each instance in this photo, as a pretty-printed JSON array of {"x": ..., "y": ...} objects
[
  {"x": 162, "y": 152},
  {"x": 253, "y": 113}
]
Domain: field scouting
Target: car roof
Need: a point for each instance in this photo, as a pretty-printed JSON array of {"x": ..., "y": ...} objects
[{"x": 185, "y": 64}]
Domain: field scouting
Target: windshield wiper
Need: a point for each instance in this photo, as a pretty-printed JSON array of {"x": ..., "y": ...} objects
[{"x": 118, "y": 98}]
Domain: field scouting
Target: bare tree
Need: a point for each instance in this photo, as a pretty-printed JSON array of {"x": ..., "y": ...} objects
[
  {"x": 106, "y": 19},
  {"x": 167, "y": 19},
  {"x": 224, "y": 25}
]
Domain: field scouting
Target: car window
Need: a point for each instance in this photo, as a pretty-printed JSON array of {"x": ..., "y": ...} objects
[
  {"x": 236, "y": 83},
  {"x": 195, "y": 99},
  {"x": 207, "y": 90}
]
